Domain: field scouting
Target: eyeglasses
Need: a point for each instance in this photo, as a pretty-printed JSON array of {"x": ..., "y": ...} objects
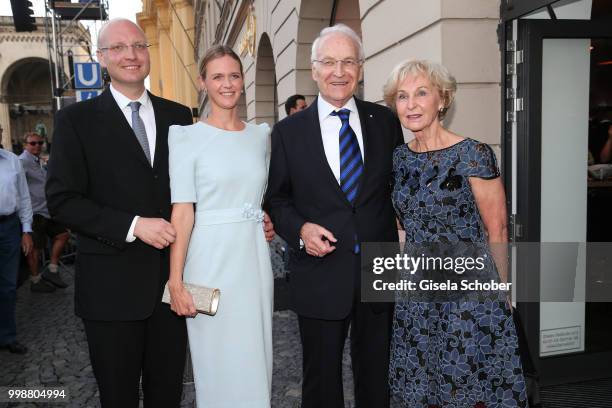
[
  {"x": 122, "y": 48},
  {"x": 348, "y": 63},
  {"x": 36, "y": 143}
]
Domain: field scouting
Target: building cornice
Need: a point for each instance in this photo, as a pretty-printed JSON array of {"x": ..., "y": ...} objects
[
  {"x": 29, "y": 38},
  {"x": 72, "y": 34}
]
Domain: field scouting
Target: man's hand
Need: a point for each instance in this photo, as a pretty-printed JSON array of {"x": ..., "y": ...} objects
[
  {"x": 268, "y": 227},
  {"x": 317, "y": 240},
  {"x": 156, "y": 232},
  {"x": 26, "y": 243}
]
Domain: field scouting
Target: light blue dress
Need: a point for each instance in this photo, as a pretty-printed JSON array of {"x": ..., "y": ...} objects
[{"x": 225, "y": 173}]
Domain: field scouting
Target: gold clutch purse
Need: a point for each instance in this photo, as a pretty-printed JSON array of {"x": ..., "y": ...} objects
[{"x": 206, "y": 299}]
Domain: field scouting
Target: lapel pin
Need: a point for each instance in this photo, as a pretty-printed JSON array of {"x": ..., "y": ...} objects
[{"x": 371, "y": 116}]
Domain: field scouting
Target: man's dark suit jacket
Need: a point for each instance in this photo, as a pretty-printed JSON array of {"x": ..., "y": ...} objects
[
  {"x": 302, "y": 188},
  {"x": 98, "y": 180}
]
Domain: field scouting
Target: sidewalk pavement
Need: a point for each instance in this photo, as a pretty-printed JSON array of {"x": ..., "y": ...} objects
[{"x": 58, "y": 354}]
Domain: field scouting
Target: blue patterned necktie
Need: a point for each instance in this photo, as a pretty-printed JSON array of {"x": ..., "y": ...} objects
[
  {"x": 351, "y": 163},
  {"x": 139, "y": 129}
]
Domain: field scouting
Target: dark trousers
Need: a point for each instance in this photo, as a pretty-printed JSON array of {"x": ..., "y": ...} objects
[
  {"x": 10, "y": 242},
  {"x": 322, "y": 346},
  {"x": 121, "y": 351}
]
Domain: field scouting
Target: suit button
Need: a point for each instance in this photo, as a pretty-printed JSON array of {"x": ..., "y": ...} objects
[
  {"x": 155, "y": 176},
  {"x": 160, "y": 212}
]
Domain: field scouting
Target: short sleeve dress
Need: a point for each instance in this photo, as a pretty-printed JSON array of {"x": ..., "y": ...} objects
[
  {"x": 225, "y": 173},
  {"x": 450, "y": 354}
]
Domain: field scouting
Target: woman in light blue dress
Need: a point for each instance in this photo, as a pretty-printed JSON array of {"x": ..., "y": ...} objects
[{"x": 220, "y": 164}]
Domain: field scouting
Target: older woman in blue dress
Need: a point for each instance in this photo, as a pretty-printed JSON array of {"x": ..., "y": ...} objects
[{"x": 447, "y": 190}]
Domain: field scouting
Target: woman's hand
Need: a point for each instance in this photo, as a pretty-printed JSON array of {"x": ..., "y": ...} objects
[
  {"x": 268, "y": 227},
  {"x": 181, "y": 301},
  {"x": 400, "y": 227}
]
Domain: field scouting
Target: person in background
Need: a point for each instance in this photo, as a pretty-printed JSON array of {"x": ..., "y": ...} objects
[
  {"x": 605, "y": 155},
  {"x": 295, "y": 103},
  {"x": 43, "y": 226},
  {"x": 600, "y": 139},
  {"x": 15, "y": 209}
]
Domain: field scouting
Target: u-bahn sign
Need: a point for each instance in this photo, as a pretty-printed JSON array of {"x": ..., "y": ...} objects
[
  {"x": 87, "y": 94},
  {"x": 87, "y": 75}
]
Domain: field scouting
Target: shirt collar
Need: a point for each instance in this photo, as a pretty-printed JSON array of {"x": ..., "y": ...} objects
[
  {"x": 325, "y": 108},
  {"x": 30, "y": 156},
  {"x": 123, "y": 100}
]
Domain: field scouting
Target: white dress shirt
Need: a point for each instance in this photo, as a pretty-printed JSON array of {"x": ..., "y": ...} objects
[
  {"x": 330, "y": 131},
  {"x": 14, "y": 193},
  {"x": 148, "y": 117}
]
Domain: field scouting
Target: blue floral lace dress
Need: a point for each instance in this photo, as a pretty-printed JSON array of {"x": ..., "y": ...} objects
[{"x": 450, "y": 354}]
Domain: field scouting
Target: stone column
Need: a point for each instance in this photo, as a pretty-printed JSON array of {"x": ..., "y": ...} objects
[
  {"x": 167, "y": 55},
  {"x": 5, "y": 122},
  {"x": 149, "y": 26},
  {"x": 184, "y": 44}
]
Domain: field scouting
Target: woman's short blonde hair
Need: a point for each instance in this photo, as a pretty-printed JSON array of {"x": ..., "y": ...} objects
[{"x": 436, "y": 73}]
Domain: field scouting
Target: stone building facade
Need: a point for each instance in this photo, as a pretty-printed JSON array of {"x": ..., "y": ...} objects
[
  {"x": 169, "y": 27},
  {"x": 274, "y": 39},
  {"x": 25, "y": 80}
]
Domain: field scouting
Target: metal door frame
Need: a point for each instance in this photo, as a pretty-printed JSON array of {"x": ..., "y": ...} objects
[{"x": 553, "y": 369}]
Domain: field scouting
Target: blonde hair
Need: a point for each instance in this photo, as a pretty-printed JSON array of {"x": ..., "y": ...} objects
[
  {"x": 218, "y": 51},
  {"x": 436, "y": 73},
  {"x": 28, "y": 135}
]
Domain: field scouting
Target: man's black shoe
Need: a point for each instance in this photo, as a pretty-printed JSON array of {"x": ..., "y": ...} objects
[
  {"x": 42, "y": 287},
  {"x": 55, "y": 279},
  {"x": 15, "y": 348}
]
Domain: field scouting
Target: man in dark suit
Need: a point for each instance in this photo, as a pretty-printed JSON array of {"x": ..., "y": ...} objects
[
  {"x": 108, "y": 182},
  {"x": 329, "y": 191}
]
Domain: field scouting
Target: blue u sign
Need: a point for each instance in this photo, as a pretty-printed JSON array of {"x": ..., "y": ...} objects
[{"x": 87, "y": 75}]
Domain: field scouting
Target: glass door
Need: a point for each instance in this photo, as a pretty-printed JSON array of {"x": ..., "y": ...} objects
[{"x": 564, "y": 193}]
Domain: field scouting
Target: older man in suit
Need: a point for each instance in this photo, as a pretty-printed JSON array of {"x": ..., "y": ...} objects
[
  {"x": 329, "y": 191},
  {"x": 108, "y": 182}
]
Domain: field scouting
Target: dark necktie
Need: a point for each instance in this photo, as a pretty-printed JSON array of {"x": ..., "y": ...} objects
[
  {"x": 139, "y": 129},
  {"x": 351, "y": 163}
]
